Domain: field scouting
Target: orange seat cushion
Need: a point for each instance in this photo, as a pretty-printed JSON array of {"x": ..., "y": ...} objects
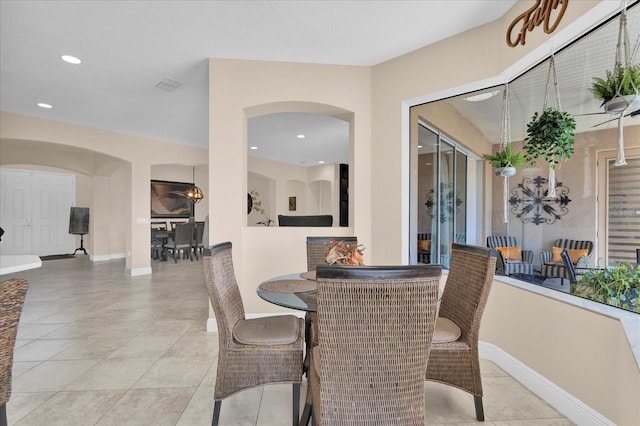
[
  {"x": 555, "y": 254},
  {"x": 576, "y": 254},
  {"x": 510, "y": 253},
  {"x": 424, "y": 245}
]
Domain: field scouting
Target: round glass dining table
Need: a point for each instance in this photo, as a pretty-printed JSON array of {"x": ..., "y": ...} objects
[{"x": 291, "y": 291}]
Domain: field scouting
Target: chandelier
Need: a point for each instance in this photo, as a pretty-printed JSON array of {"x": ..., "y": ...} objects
[{"x": 194, "y": 194}]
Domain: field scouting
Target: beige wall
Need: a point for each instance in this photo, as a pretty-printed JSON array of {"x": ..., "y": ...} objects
[
  {"x": 314, "y": 187},
  {"x": 113, "y": 165},
  {"x": 240, "y": 89},
  {"x": 584, "y": 353}
]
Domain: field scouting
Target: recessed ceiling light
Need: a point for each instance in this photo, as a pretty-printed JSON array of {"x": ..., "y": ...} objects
[
  {"x": 320, "y": 162},
  {"x": 300, "y": 136},
  {"x": 419, "y": 146},
  {"x": 428, "y": 164},
  {"x": 253, "y": 147},
  {"x": 43, "y": 105},
  {"x": 481, "y": 97},
  {"x": 71, "y": 59}
]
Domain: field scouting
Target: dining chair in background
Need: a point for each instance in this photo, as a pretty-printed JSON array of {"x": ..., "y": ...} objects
[
  {"x": 182, "y": 241},
  {"x": 454, "y": 356},
  {"x": 252, "y": 352},
  {"x": 12, "y": 295},
  {"x": 375, "y": 328},
  {"x": 198, "y": 245}
]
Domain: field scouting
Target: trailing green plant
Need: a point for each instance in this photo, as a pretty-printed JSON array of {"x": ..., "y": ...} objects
[
  {"x": 621, "y": 81},
  {"x": 550, "y": 136},
  {"x": 617, "y": 286},
  {"x": 506, "y": 157}
]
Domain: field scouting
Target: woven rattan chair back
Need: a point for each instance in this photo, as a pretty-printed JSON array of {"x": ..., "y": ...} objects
[
  {"x": 318, "y": 247},
  {"x": 223, "y": 291},
  {"x": 376, "y": 326},
  {"x": 242, "y": 365},
  {"x": 12, "y": 295},
  {"x": 463, "y": 300}
]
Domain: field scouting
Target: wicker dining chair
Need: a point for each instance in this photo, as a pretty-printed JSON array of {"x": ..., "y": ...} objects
[
  {"x": 317, "y": 249},
  {"x": 252, "y": 352},
  {"x": 12, "y": 295},
  {"x": 465, "y": 295},
  {"x": 376, "y": 324}
]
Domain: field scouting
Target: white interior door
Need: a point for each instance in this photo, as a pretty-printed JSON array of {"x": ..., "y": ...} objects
[
  {"x": 35, "y": 212},
  {"x": 15, "y": 211}
]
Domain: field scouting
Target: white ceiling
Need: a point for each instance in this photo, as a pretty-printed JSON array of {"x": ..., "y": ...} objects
[{"x": 129, "y": 46}]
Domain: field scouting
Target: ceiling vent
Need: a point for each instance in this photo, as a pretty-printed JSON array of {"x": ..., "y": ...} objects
[{"x": 168, "y": 84}]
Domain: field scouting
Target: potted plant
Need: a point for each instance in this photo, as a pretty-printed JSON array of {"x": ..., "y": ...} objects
[
  {"x": 550, "y": 136},
  {"x": 619, "y": 90},
  {"x": 617, "y": 286},
  {"x": 506, "y": 161}
]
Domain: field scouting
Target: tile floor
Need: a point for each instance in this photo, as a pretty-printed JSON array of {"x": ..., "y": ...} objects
[{"x": 96, "y": 347}]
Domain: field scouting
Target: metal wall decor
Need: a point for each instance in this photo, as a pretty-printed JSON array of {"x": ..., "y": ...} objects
[
  {"x": 450, "y": 203},
  {"x": 547, "y": 13},
  {"x": 530, "y": 203}
]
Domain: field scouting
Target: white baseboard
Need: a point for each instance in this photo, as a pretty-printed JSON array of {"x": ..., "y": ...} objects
[
  {"x": 135, "y": 272},
  {"x": 212, "y": 325},
  {"x": 104, "y": 257},
  {"x": 568, "y": 405}
]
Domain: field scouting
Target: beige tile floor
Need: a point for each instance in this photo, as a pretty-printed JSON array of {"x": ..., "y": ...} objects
[{"x": 96, "y": 347}]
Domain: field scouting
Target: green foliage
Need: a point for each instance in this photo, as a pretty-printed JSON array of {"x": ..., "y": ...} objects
[
  {"x": 624, "y": 79},
  {"x": 506, "y": 157},
  {"x": 550, "y": 137},
  {"x": 618, "y": 286}
]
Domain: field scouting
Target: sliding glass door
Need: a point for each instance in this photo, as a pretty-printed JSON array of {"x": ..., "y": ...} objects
[{"x": 440, "y": 204}]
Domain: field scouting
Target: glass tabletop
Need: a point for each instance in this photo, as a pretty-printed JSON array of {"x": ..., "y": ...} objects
[{"x": 281, "y": 291}]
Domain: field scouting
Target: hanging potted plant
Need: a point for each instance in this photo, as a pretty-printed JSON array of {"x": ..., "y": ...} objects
[
  {"x": 550, "y": 134},
  {"x": 506, "y": 161},
  {"x": 619, "y": 90}
]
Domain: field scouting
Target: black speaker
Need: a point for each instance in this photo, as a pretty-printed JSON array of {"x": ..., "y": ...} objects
[{"x": 79, "y": 220}]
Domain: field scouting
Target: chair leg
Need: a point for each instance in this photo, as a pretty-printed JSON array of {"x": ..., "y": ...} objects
[
  {"x": 3, "y": 415},
  {"x": 296, "y": 403},
  {"x": 479, "y": 410},
  {"x": 306, "y": 415},
  {"x": 216, "y": 412}
]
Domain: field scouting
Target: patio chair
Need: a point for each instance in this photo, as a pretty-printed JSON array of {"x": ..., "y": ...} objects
[
  {"x": 454, "y": 352},
  {"x": 12, "y": 295},
  {"x": 551, "y": 264},
  {"x": 252, "y": 352},
  {"x": 376, "y": 324},
  {"x": 511, "y": 259},
  {"x": 424, "y": 247}
]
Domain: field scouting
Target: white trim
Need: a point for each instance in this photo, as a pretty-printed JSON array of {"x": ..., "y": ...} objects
[
  {"x": 103, "y": 257},
  {"x": 136, "y": 272},
  {"x": 212, "y": 325},
  {"x": 568, "y": 405}
]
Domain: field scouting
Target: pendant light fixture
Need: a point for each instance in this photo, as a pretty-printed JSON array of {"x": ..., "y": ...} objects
[{"x": 194, "y": 194}]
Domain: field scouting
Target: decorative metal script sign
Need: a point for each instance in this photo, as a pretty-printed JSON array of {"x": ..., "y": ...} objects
[
  {"x": 530, "y": 204},
  {"x": 547, "y": 13}
]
